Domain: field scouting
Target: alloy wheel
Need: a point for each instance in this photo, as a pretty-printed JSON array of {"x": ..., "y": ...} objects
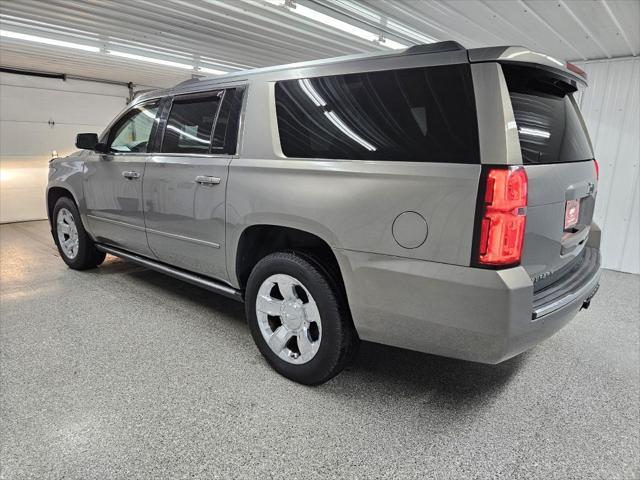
[
  {"x": 67, "y": 233},
  {"x": 289, "y": 318}
]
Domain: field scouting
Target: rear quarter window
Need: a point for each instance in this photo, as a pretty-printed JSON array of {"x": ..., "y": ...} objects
[{"x": 419, "y": 115}]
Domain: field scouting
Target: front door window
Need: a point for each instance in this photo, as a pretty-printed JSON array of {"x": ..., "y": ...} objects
[{"x": 133, "y": 132}]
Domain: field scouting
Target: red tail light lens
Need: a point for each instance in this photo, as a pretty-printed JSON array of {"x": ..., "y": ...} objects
[
  {"x": 504, "y": 210},
  {"x": 595, "y": 163}
]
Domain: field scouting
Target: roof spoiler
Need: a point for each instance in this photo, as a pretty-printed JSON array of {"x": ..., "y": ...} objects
[{"x": 524, "y": 56}]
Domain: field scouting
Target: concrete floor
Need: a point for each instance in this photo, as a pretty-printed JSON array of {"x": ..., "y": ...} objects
[{"x": 121, "y": 372}]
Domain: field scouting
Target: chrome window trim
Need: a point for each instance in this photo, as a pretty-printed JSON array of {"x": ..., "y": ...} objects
[
  {"x": 138, "y": 154},
  {"x": 191, "y": 89},
  {"x": 190, "y": 155},
  {"x": 241, "y": 119}
]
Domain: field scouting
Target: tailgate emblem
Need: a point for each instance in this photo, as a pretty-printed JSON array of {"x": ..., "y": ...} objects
[{"x": 540, "y": 276}]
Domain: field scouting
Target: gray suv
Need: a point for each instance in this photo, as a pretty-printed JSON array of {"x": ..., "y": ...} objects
[{"x": 437, "y": 199}]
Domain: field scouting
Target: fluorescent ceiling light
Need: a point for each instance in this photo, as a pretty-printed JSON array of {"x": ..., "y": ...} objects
[
  {"x": 142, "y": 58},
  {"x": 212, "y": 71},
  {"x": 393, "y": 44},
  {"x": 227, "y": 67},
  {"x": 48, "y": 41},
  {"x": 345, "y": 27},
  {"x": 390, "y": 24},
  {"x": 335, "y": 23}
]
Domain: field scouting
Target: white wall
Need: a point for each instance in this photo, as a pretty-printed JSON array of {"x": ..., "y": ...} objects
[
  {"x": 611, "y": 108},
  {"x": 27, "y": 140}
]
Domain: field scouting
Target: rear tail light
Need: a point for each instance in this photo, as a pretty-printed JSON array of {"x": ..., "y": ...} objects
[
  {"x": 595, "y": 163},
  {"x": 503, "y": 214}
]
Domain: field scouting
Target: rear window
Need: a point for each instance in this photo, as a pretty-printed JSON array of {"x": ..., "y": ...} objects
[
  {"x": 549, "y": 123},
  {"x": 418, "y": 115},
  {"x": 189, "y": 124}
]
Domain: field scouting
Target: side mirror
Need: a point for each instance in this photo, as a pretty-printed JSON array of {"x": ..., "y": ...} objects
[{"x": 87, "y": 141}]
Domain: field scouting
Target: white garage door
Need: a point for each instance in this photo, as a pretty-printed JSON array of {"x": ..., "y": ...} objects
[{"x": 37, "y": 117}]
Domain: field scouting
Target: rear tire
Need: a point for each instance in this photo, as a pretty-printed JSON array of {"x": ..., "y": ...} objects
[
  {"x": 74, "y": 244},
  {"x": 299, "y": 321}
]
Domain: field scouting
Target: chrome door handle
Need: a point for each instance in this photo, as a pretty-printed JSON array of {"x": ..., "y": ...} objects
[
  {"x": 206, "y": 180},
  {"x": 130, "y": 175}
]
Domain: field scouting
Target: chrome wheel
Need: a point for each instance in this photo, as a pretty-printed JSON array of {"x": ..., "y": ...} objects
[
  {"x": 288, "y": 318},
  {"x": 67, "y": 233}
]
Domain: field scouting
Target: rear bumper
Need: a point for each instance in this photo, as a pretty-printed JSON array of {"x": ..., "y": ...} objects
[
  {"x": 574, "y": 285},
  {"x": 461, "y": 312}
]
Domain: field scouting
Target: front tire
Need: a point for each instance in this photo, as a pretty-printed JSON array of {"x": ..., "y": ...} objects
[
  {"x": 299, "y": 321},
  {"x": 74, "y": 244}
]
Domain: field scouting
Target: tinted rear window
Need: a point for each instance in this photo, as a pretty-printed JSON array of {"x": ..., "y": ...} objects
[
  {"x": 548, "y": 119},
  {"x": 420, "y": 115},
  {"x": 189, "y": 124}
]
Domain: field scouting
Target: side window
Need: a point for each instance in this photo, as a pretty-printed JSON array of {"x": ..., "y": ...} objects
[
  {"x": 190, "y": 122},
  {"x": 422, "y": 114},
  {"x": 133, "y": 131}
]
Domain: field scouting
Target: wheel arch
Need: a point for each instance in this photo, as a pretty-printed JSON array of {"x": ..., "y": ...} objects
[
  {"x": 54, "y": 193},
  {"x": 257, "y": 241}
]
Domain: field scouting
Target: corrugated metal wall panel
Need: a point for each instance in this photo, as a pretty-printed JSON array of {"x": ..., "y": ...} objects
[{"x": 611, "y": 108}]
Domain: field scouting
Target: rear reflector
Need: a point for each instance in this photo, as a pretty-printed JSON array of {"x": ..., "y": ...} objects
[{"x": 503, "y": 217}]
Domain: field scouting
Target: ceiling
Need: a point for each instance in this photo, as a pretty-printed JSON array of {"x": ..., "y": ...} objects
[{"x": 236, "y": 34}]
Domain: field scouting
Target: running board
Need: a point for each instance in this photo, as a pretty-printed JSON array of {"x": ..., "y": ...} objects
[{"x": 193, "y": 278}]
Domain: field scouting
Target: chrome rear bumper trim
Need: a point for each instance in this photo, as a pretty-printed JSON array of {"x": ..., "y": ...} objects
[{"x": 583, "y": 294}]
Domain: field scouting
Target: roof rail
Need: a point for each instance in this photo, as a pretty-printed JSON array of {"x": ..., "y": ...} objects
[
  {"x": 446, "y": 46},
  {"x": 188, "y": 81},
  {"x": 427, "y": 48}
]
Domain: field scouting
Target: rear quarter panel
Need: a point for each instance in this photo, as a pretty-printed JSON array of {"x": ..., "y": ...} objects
[{"x": 351, "y": 204}]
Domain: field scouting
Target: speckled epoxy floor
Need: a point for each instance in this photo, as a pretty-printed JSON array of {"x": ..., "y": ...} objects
[{"x": 121, "y": 372}]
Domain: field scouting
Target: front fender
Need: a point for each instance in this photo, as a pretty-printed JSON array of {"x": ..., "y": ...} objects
[{"x": 68, "y": 173}]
